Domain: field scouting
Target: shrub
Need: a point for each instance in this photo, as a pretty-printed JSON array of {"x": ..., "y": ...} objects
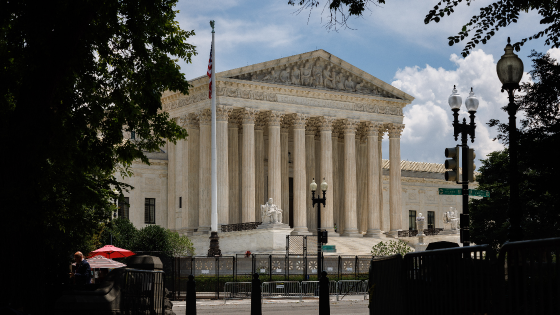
[{"x": 390, "y": 248}]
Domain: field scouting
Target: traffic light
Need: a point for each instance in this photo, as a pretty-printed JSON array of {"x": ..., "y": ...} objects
[
  {"x": 452, "y": 164},
  {"x": 471, "y": 155}
]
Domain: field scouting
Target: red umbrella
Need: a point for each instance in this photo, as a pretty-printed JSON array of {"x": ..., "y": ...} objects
[
  {"x": 102, "y": 262},
  {"x": 111, "y": 251}
]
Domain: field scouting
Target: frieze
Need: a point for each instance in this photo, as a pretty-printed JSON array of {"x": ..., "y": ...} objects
[{"x": 246, "y": 91}]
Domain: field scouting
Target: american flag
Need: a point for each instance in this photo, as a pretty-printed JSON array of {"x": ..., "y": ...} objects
[{"x": 209, "y": 73}]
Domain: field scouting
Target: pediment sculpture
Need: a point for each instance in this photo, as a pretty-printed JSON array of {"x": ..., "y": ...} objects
[{"x": 316, "y": 73}]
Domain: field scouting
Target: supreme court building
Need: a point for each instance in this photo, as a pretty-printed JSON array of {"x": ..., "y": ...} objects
[{"x": 279, "y": 124}]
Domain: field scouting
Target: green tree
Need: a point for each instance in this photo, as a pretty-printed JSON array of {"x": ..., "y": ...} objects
[
  {"x": 480, "y": 28},
  {"x": 390, "y": 248},
  {"x": 75, "y": 76},
  {"x": 123, "y": 232},
  {"x": 538, "y": 171}
]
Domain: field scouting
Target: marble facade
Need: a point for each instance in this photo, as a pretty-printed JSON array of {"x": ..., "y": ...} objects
[{"x": 279, "y": 124}]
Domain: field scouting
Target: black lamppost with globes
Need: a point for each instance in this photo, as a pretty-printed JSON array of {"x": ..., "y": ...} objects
[
  {"x": 467, "y": 155},
  {"x": 510, "y": 72},
  {"x": 321, "y": 235}
]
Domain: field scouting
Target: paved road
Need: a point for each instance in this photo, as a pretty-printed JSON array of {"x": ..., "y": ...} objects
[{"x": 275, "y": 307}]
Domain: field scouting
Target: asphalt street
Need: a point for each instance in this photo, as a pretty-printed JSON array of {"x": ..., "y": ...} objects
[{"x": 275, "y": 307}]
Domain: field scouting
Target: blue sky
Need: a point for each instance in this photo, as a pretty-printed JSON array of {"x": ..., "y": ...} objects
[{"x": 391, "y": 42}]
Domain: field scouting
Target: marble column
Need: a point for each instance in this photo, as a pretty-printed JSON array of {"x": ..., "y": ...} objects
[
  {"x": 184, "y": 191},
  {"x": 285, "y": 174},
  {"x": 171, "y": 185},
  {"x": 395, "y": 194},
  {"x": 341, "y": 161},
  {"x": 233, "y": 168},
  {"x": 274, "y": 165},
  {"x": 310, "y": 132},
  {"x": 384, "y": 213},
  {"x": 336, "y": 184},
  {"x": 260, "y": 177},
  {"x": 350, "y": 189},
  {"x": 327, "y": 215},
  {"x": 240, "y": 167},
  {"x": 204, "y": 187},
  {"x": 179, "y": 186},
  {"x": 193, "y": 171},
  {"x": 361, "y": 174},
  {"x": 222, "y": 117},
  {"x": 373, "y": 174},
  {"x": 248, "y": 166},
  {"x": 300, "y": 179}
]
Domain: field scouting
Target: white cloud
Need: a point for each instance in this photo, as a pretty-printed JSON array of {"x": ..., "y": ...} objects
[
  {"x": 554, "y": 53},
  {"x": 428, "y": 119}
]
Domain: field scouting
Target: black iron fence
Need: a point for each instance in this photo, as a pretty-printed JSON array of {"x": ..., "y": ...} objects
[
  {"x": 524, "y": 278},
  {"x": 413, "y": 233},
  {"x": 240, "y": 226},
  {"x": 212, "y": 273}
]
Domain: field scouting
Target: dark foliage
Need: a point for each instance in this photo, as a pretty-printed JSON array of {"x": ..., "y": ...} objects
[
  {"x": 75, "y": 76},
  {"x": 538, "y": 170}
]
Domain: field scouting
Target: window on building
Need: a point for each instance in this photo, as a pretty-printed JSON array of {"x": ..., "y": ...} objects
[
  {"x": 133, "y": 135},
  {"x": 431, "y": 220},
  {"x": 124, "y": 206},
  {"x": 150, "y": 211},
  {"x": 412, "y": 219}
]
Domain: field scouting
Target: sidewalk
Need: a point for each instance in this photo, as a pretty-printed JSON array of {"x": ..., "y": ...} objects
[{"x": 354, "y": 305}]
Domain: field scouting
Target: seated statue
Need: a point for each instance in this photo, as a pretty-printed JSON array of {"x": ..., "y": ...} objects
[
  {"x": 270, "y": 213},
  {"x": 450, "y": 219}
]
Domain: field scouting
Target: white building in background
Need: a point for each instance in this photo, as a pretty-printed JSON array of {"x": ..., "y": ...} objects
[{"x": 280, "y": 124}]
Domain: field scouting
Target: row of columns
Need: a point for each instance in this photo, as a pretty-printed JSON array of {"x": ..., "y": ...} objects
[{"x": 241, "y": 172}]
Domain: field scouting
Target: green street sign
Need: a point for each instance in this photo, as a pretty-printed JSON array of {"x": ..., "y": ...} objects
[
  {"x": 449, "y": 191},
  {"x": 479, "y": 193},
  {"x": 459, "y": 191}
]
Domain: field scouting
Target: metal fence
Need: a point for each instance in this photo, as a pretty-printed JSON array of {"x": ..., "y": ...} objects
[
  {"x": 212, "y": 273},
  {"x": 524, "y": 278},
  {"x": 237, "y": 290},
  {"x": 143, "y": 292},
  {"x": 529, "y": 274},
  {"x": 301, "y": 245}
]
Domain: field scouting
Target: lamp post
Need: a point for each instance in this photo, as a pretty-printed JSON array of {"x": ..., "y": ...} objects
[
  {"x": 510, "y": 71},
  {"x": 321, "y": 236},
  {"x": 467, "y": 155}
]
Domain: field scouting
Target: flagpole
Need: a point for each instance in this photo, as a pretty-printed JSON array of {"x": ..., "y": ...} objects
[{"x": 214, "y": 216}]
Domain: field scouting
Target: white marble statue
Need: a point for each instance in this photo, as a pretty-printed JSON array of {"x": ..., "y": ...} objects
[
  {"x": 270, "y": 213},
  {"x": 450, "y": 220}
]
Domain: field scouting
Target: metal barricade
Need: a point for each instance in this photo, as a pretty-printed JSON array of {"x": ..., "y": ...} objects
[
  {"x": 311, "y": 288},
  {"x": 281, "y": 289},
  {"x": 237, "y": 290},
  {"x": 351, "y": 287},
  {"x": 143, "y": 292}
]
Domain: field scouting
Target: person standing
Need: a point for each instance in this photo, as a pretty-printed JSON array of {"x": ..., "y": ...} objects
[{"x": 82, "y": 273}]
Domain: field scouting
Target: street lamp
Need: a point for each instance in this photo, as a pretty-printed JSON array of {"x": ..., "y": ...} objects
[
  {"x": 467, "y": 155},
  {"x": 321, "y": 235},
  {"x": 510, "y": 71}
]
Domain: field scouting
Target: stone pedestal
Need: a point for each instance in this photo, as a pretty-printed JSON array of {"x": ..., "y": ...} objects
[
  {"x": 214, "y": 249},
  {"x": 270, "y": 241},
  {"x": 275, "y": 226}
]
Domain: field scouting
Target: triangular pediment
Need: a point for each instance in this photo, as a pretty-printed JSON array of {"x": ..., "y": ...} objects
[{"x": 317, "y": 70}]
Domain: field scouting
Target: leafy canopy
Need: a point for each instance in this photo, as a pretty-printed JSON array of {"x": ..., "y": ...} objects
[
  {"x": 480, "y": 28},
  {"x": 76, "y": 76}
]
